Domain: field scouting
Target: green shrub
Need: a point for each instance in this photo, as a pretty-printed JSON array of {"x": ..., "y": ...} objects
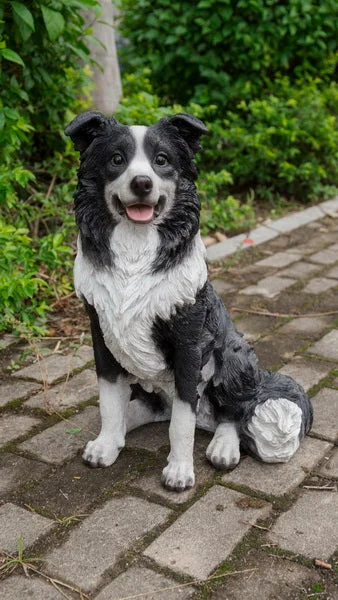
[
  {"x": 285, "y": 144},
  {"x": 221, "y": 51},
  {"x": 43, "y": 86}
]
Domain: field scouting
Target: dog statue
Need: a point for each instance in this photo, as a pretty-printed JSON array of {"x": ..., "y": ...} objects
[{"x": 165, "y": 347}]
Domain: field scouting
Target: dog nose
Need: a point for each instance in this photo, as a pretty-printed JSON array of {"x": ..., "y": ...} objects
[{"x": 141, "y": 185}]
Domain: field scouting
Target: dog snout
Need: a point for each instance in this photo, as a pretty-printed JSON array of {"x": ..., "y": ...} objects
[{"x": 141, "y": 185}]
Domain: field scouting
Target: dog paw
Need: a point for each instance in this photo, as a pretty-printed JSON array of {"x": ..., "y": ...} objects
[
  {"x": 99, "y": 453},
  {"x": 223, "y": 453},
  {"x": 178, "y": 476}
]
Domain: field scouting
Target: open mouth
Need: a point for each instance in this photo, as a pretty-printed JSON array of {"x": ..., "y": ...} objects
[{"x": 141, "y": 212}]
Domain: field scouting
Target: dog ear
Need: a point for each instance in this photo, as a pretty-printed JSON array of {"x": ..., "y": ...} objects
[
  {"x": 85, "y": 127},
  {"x": 190, "y": 129}
]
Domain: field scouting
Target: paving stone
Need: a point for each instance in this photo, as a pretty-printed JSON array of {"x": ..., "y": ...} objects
[
  {"x": 57, "y": 365},
  {"x": 150, "y": 437},
  {"x": 16, "y": 470},
  {"x": 306, "y": 372},
  {"x": 278, "y": 260},
  {"x": 325, "y": 411},
  {"x": 305, "y": 325},
  {"x": 320, "y": 285},
  {"x": 16, "y": 390},
  {"x": 79, "y": 388},
  {"x": 8, "y": 340},
  {"x": 15, "y": 522},
  {"x": 333, "y": 273},
  {"x": 145, "y": 582},
  {"x": 223, "y": 249},
  {"x": 54, "y": 445},
  {"x": 298, "y": 219},
  {"x": 204, "y": 472},
  {"x": 327, "y": 256},
  {"x": 300, "y": 270},
  {"x": 27, "y": 588},
  {"x": 329, "y": 466},
  {"x": 14, "y": 426},
  {"x": 197, "y": 549},
  {"x": 307, "y": 527},
  {"x": 261, "y": 234},
  {"x": 269, "y": 287},
  {"x": 271, "y": 578},
  {"x": 280, "y": 478},
  {"x": 102, "y": 537},
  {"x": 327, "y": 346},
  {"x": 222, "y": 287},
  {"x": 329, "y": 206},
  {"x": 253, "y": 327}
]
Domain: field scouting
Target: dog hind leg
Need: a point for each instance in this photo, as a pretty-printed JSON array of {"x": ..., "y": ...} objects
[{"x": 223, "y": 451}]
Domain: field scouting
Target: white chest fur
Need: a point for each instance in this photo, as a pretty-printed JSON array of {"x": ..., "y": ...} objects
[{"x": 128, "y": 297}]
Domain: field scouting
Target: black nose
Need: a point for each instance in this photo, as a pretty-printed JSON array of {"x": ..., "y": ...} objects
[{"x": 141, "y": 185}]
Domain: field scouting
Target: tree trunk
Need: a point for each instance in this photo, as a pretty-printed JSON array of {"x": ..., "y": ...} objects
[{"x": 108, "y": 89}]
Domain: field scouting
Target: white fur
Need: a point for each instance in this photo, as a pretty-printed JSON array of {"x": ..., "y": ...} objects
[
  {"x": 128, "y": 296},
  {"x": 223, "y": 450},
  {"x": 275, "y": 428},
  {"x": 139, "y": 165},
  {"x": 139, "y": 414},
  {"x": 114, "y": 398},
  {"x": 179, "y": 473}
]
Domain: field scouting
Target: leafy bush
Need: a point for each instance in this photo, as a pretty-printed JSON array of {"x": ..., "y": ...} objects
[
  {"x": 221, "y": 51},
  {"x": 285, "y": 144},
  {"x": 43, "y": 86}
]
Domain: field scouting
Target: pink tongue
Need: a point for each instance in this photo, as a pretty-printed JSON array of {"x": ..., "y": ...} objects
[{"x": 140, "y": 212}]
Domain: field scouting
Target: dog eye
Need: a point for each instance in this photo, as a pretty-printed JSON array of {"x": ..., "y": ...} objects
[
  {"x": 117, "y": 159},
  {"x": 161, "y": 159}
]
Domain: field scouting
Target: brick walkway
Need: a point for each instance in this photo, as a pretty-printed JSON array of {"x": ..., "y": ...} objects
[{"x": 249, "y": 534}]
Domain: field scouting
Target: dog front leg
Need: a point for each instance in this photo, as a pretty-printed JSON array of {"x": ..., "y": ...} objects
[
  {"x": 114, "y": 400},
  {"x": 179, "y": 475}
]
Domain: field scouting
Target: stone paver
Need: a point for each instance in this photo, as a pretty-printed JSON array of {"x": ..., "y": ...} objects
[
  {"x": 325, "y": 411},
  {"x": 333, "y": 273},
  {"x": 305, "y": 325},
  {"x": 279, "y": 479},
  {"x": 301, "y": 528},
  {"x": 16, "y": 470},
  {"x": 327, "y": 346},
  {"x": 149, "y": 437},
  {"x": 320, "y": 285},
  {"x": 14, "y": 426},
  {"x": 298, "y": 219},
  {"x": 268, "y": 578},
  {"x": 16, "y": 390},
  {"x": 15, "y": 522},
  {"x": 101, "y": 539},
  {"x": 144, "y": 581},
  {"x": 28, "y": 588},
  {"x": 329, "y": 466},
  {"x": 55, "y": 366},
  {"x": 261, "y": 234},
  {"x": 8, "y": 340},
  {"x": 197, "y": 550},
  {"x": 269, "y": 287},
  {"x": 255, "y": 326},
  {"x": 327, "y": 256},
  {"x": 60, "y": 443},
  {"x": 300, "y": 270},
  {"x": 306, "y": 372},
  {"x": 79, "y": 388},
  {"x": 222, "y": 287},
  {"x": 278, "y": 260}
]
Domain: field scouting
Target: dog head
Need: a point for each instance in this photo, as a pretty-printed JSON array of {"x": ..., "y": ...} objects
[{"x": 138, "y": 166}]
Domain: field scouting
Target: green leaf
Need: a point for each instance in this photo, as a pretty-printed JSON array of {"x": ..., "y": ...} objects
[
  {"x": 54, "y": 22},
  {"x": 74, "y": 430},
  {"x": 12, "y": 56},
  {"x": 23, "y": 19}
]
